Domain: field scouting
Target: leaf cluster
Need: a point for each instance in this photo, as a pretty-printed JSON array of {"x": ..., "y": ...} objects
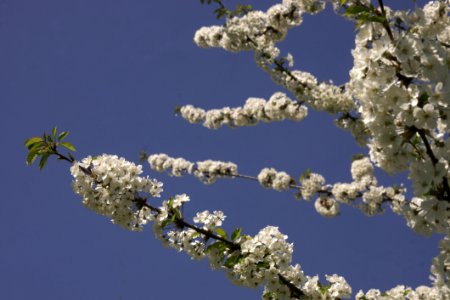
[
  {"x": 363, "y": 13},
  {"x": 46, "y": 145},
  {"x": 223, "y": 248},
  {"x": 222, "y": 11}
]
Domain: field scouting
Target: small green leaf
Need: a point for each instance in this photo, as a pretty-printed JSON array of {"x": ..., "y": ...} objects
[
  {"x": 165, "y": 223},
  {"x": 324, "y": 288},
  {"x": 305, "y": 175},
  {"x": 62, "y": 135},
  {"x": 37, "y": 146},
  {"x": 236, "y": 234},
  {"x": 423, "y": 99},
  {"x": 68, "y": 145},
  {"x": 43, "y": 161},
  {"x": 31, "y": 157},
  {"x": 263, "y": 265},
  {"x": 232, "y": 260},
  {"x": 222, "y": 233},
  {"x": 54, "y": 132},
  {"x": 368, "y": 17},
  {"x": 71, "y": 156},
  {"x": 32, "y": 140},
  {"x": 221, "y": 246},
  {"x": 357, "y": 156},
  {"x": 355, "y": 9}
]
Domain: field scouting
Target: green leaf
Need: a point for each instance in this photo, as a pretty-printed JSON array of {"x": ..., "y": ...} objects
[
  {"x": 68, "y": 145},
  {"x": 33, "y": 140},
  {"x": 222, "y": 233},
  {"x": 38, "y": 147},
  {"x": 71, "y": 156},
  {"x": 355, "y": 9},
  {"x": 357, "y": 156},
  {"x": 368, "y": 17},
  {"x": 233, "y": 260},
  {"x": 221, "y": 12},
  {"x": 342, "y": 2},
  {"x": 263, "y": 265},
  {"x": 62, "y": 135},
  {"x": 43, "y": 161},
  {"x": 54, "y": 132},
  {"x": 324, "y": 288},
  {"x": 423, "y": 99},
  {"x": 165, "y": 223},
  {"x": 305, "y": 175},
  {"x": 31, "y": 157},
  {"x": 242, "y": 10},
  {"x": 221, "y": 246},
  {"x": 47, "y": 138},
  {"x": 236, "y": 234}
]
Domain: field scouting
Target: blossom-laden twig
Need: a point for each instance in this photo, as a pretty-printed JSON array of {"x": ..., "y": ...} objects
[
  {"x": 328, "y": 196},
  {"x": 278, "y": 108}
]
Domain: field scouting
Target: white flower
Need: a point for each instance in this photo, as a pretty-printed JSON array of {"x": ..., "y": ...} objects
[
  {"x": 271, "y": 178},
  {"x": 362, "y": 171},
  {"x": 311, "y": 184},
  {"x": 339, "y": 287},
  {"x": 210, "y": 220},
  {"x": 327, "y": 207}
]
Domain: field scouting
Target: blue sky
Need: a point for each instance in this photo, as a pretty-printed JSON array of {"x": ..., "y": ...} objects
[{"x": 111, "y": 72}]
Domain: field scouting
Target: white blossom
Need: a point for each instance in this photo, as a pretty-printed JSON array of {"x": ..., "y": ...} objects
[
  {"x": 326, "y": 206},
  {"x": 271, "y": 178},
  {"x": 311, "y": 184}
]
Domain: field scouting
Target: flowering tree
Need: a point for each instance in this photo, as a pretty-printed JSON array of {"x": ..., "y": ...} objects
[{"x": 396, "y": 104}]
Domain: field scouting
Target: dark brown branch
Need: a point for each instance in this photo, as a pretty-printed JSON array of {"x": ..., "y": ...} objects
[
  {"x": 386, "y": 22},
  {"x": 295, "y": 291},
  {"x": 434, "y": 160},
  {"x": 61, "y": 156}
]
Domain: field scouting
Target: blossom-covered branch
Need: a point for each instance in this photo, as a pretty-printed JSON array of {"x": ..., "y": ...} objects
[
  {"x": 329, "y": 196},
  {"x": 278, "y": 108}
]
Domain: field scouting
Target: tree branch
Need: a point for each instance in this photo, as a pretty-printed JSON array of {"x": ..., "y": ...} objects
[{"x": 434, "y": 161}]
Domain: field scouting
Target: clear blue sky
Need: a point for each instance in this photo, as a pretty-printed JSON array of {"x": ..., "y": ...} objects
[{"x": 112, "y": 72}]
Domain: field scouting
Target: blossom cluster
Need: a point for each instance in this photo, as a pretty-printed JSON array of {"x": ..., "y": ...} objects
[
  {"x": 206, "y": 171},
  {"x": 277, "y": 108},
  {"x": 112, "y": 187},
  {"x": 267, "y": 256},
  {"x": 257, "y": 30},
  {"x": 271, "y": 178},
  {"x": 402, "y": 85}
]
